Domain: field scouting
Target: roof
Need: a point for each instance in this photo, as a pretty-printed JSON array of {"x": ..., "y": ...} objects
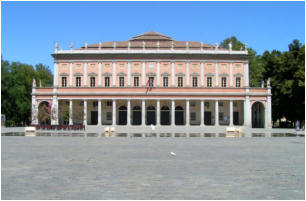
[{"x": 150, "y": 40}]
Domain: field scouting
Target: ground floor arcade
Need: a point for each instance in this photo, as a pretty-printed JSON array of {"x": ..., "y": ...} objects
[{"x": 160, "y": 112}]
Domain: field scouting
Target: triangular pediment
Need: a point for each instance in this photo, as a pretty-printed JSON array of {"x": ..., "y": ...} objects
[{"x": 151, "y": 35}]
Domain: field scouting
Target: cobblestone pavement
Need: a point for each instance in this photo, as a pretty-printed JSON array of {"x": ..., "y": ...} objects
[{"x": 143, "y": 168}]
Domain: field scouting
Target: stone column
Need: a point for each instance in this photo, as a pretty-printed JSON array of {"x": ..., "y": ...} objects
[
  {"x": 70, "y": 113},
  {"x": 143, "y": 112},
  {"x": 231, "y": 74},
  {"x": 70, "y": 75},
  {"x": 114, "y": 74},
  {"x": 187, "y": 74},
  {"x": 158, "y": 112},
  {"x": 85, "y": 113},
  {"x": 172, "y": 74},
  {"x": 55, "y": 81},
  {"x": 128, "y": 112},
  {"x": 99, "y": 113},
  {"x": 54, "y": 111},
  {"x": 85, "y": 74},
  {"x": 217, "y": 76},
  {"x": 217, "y": 113},
  {"x": 129, "y": 74},
  {"x": 268, "y": 113},
  {"x": 202, "y": 113},
  {"x": 34, "y": 111},
  {"x": 202, "y": 74},
  {"x": 247, "y": 112},
  {"x": 246, "y": 74},
  {"x": 158, "y": 74},
  {"x": 172, "y": 113},
  {"x": 99, "y": 74},
  {"x": 143, "y": 74},
  {"x": 187, "y": 113},
  {"x": 231, "y": 113},
  {"x": 114, "y": 113}
]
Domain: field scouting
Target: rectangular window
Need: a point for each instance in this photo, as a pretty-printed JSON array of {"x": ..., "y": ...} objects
[
  {"x": 108, "y": 116},
  {"x": 151, "y": 81},
  {"x": 78, "y": 81},
  {"x": 121, "y": 81},
  {"x": 92, "y": 81},
  {"x": 195, "y": 81},
  {"x": 136, "y": 81},
  {"x": 64, "y": 81},
  {"x": 209, "y": 81},
  {"x": 238, "y": 80},
  {"x": 180, "y": 82},
  {"x": 109, "y": 103},
  {"x": 223, "y": 81},
  {"x": 106, "y": 79},
  {"x": 165, "y": 81},
  {"x": 95, "y": 103},
  {"x": 192, "y": 116}
]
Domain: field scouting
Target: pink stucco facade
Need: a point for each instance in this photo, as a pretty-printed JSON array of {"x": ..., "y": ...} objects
[{"x": 154, "y": 56}]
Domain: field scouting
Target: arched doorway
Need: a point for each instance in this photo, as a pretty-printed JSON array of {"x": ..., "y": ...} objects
[
  {"x": 136, "y": 115},
  {"x": 165, "y": 115},
  {"x": 151, "y": 117},
  {"x": 44, "y": 113},
  {"x": 258, "y": 115},
  {"x": 122, "y": 115},
  {"x": 179, "y": 115}
]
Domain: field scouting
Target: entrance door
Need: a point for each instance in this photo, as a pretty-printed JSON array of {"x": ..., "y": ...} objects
[
  {"x": 122, "y": 115},
  {"x": 179, "y": 115},
  {"x": 151, "y": 118},
  {"x": 236, "y": 118},
  {"x": 94, "y": 117},
  {"x": 136, "y": 115},
  {"x": 207, "y": 118},
  {"x": 165, "y": 116}
]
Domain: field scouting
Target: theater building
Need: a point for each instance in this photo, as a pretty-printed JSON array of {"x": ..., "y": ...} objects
[{"x": 153, "y": 79}]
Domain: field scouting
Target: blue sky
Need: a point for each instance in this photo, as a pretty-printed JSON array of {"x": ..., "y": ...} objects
[{"x": 29, "y": 29}]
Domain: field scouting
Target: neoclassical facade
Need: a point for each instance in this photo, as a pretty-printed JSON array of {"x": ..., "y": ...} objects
[{"x": 153, "y": 79}]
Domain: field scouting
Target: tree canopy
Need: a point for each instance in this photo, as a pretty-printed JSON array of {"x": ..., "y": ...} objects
[{"x": 16, "y": 88}]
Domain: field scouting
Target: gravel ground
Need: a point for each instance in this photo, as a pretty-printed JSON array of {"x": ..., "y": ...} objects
[{"x": 143, "y": 168}]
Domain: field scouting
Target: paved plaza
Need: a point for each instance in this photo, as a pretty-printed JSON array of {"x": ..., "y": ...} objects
[{"x": 143, "y": 168}]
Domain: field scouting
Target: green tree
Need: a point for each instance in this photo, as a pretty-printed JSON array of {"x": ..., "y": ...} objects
[
  {"x": 16, "y": 81},
  {"x": 43, "y": 75},
  {"x": 287, "y": 73}
]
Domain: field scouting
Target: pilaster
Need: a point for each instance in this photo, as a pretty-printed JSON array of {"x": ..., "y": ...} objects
[
  {"x": 158, "y": 74},
  {"x": 129, "y": 74},
  {"x": 172, "y": 74},
  {"x": 114, "y": 74},
  {"x": 70, "y": 74},
  {"x": 202, "y": 74},
  {"x": 55, "y": 81},
  {"x": 217, "y": 76},
  {"x": 99, "y": 74},
  {"x": 85, "y": 74}
]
